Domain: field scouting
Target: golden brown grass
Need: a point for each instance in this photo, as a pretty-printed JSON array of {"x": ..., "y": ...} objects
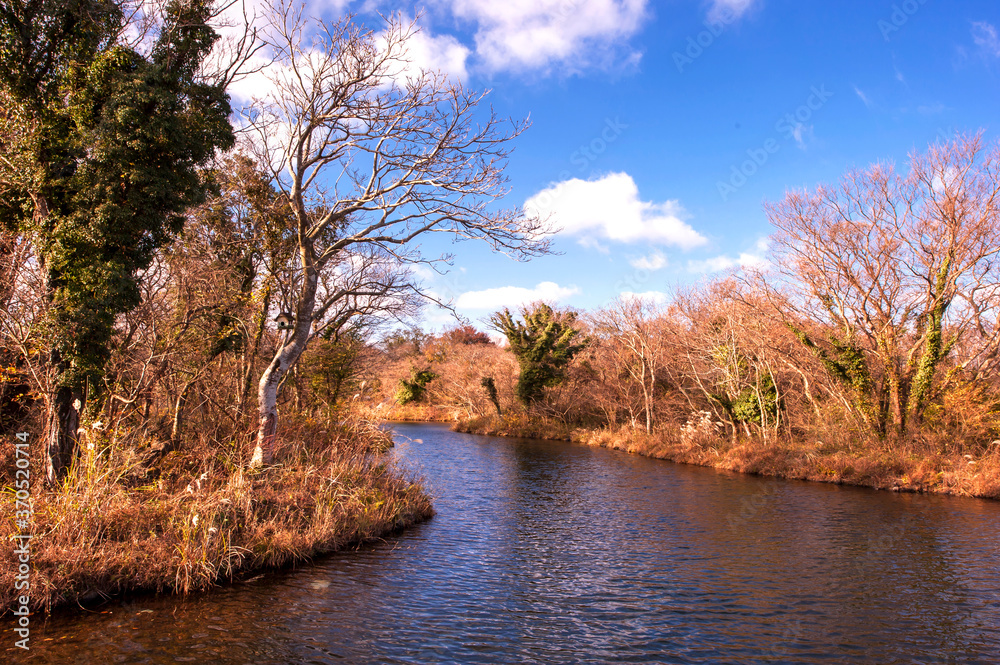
[
  {"x": 518, "y": 424},
  {"x": 913, "y": 467},
  {"x": 110, "y": 529},
  {"x": 424, "y": 413}
]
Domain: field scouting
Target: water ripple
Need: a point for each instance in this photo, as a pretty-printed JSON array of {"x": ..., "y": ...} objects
[{"x": 556, "y": 553}]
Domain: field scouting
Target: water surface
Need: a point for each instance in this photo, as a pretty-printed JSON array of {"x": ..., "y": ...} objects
[{"x": 545, "y": 552}]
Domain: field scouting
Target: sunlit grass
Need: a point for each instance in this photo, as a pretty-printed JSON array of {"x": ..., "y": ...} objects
[
  {"x": 111, "y": 528},
  {"x": 844, "y": 457}
]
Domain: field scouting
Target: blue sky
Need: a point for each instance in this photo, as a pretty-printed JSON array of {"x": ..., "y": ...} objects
[{"x": 660, "y": 128}]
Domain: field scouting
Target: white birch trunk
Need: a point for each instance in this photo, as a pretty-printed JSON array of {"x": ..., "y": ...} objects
[{"x": 285, "y": 357}]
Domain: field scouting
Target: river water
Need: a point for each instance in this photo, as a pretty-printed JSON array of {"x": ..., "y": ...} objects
[{"x": 546, "y": 552}]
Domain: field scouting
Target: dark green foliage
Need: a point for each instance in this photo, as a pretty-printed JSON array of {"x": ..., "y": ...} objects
[
  {"x": 491, "y": 391},
  {"x": 412, "y": 390},
  {"x": 40, "y": 40},
  {"x": 757, "y": 403},
  {"x": 118, "y": 141},
  {"x": 544, "y": 345},
  {"x": 747, "y": 406},
  {"x": 935, "y": 350}
]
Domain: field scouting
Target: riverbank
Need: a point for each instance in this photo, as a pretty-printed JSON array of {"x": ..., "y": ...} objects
[
  {"x": 112, "y": 530},
  {"x": 867, "y": 464}
]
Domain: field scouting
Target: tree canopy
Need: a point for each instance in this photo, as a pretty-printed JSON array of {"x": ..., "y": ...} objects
[
  {"x": 544, "y": 343},
  {"x": 105, "y": 161}
]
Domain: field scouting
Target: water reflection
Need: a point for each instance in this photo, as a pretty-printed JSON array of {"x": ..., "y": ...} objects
[{"x": 552, "y": 553}]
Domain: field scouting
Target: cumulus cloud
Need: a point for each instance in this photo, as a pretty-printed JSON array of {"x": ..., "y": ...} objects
[
  {"x": 655, "y": 261},
  {"x": 537, "y": 34},
  {"x": 428, "y": 52},
  {"x": 422, "y": 51},
  {"x": 729, "y": 10},
  {"x": 751, "y": 259},
  {"x": 610, "y": 208},
  {"x": 514, "y": 296}
]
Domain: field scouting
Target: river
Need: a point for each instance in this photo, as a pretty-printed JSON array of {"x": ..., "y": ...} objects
[{"x": 547, "y": 552}]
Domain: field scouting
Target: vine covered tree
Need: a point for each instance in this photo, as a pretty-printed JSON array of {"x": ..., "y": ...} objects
[
  {"x": 109, "y": 137},
  {"x": 900, "y": 268},
  {"x": 544, "y": 343}
]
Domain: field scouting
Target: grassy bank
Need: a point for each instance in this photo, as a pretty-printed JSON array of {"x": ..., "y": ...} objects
[
  {"x": 912, "y": 468},
  {"x": 204, "y": 519},
  {"x": 416, "y": 413}
]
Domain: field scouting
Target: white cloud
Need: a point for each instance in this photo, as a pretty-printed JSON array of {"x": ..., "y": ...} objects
[
  {"x": 514, "y": 296},
  {"x": 862, "y": 96},
  {"x": 537, "y": 34},
  {"x": 610, "y": 208},
  {"x": 728, "y": 11},
  {"x": 985, "y": 37},
  {"x": 428, "y": 52},
  {"x": 422, "y": 51},
  {"x": 751, "y": 259},
  {"x": 654, "y": 297},
  {"x": 655, "y": 261}
]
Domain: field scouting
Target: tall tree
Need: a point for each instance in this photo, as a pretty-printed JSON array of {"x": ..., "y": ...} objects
[
  {"x": 544, "y": 345},
  {"x": 632, "y": 331},
  {"x": 900, "y": 267},
  {"x": 107, "y": 168},
  {"x": 371, "y": 153}
]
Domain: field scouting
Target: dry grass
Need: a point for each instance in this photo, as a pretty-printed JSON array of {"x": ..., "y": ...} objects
[
  {"x": 423, "y": 413},
  {"x": 915, "y": 467},
  {"x": 110, "y": 529},
  {"x": 518, "y": 424}
]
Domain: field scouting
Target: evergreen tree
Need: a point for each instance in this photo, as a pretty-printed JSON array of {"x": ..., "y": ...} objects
[
  {"x": 543, "y": 344},
  {"x": 109, "y": 166}
]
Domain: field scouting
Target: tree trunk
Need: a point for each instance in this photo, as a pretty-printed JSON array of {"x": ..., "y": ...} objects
[
  {"x": 178, "y": 425},
  {"x": 284, "y": 359},
  {"x": 63, "y": 426}
]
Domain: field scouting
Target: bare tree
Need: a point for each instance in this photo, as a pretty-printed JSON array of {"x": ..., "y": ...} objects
[
  {"x": 371, "y": 155},
  {"x": 631, "y": 331},
  {"x": 901, "y": 267}
]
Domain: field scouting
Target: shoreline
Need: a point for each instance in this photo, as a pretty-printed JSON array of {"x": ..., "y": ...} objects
[
  {"x": 882, "y": 469},
  {"x": 98, "y": 542}
]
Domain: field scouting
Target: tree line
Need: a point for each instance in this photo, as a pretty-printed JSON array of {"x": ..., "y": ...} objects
[{"x": 875, "y": 320}]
